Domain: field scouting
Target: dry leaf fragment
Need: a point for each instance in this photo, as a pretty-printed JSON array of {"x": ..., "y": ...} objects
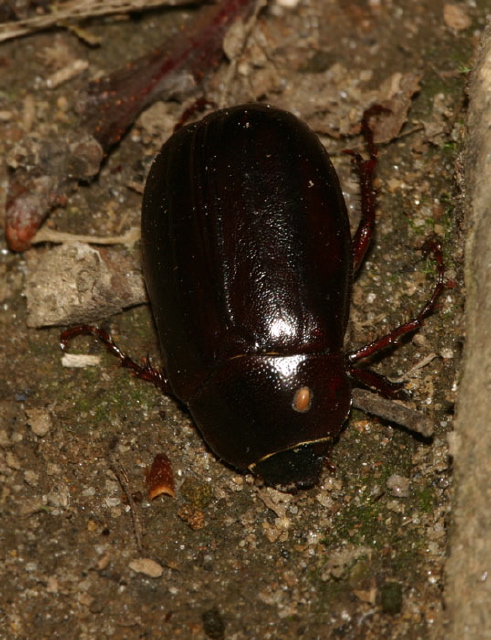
[{"x": 396, "y": 94}]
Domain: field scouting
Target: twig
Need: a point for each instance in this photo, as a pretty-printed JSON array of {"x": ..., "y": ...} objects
[
  {"x": 79, "y": 10},
  {"x": 393, "y": 412},
  {"x": 119, "y": 472},
  {"x": 419, "y": 365}
]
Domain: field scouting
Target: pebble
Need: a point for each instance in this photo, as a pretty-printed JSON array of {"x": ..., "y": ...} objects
[{"x": 147, "y": 566}]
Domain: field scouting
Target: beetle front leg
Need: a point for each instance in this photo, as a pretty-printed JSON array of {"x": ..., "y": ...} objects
[
  {"x": 144, "y": 371},
  {"x": 394, "y": 336},
  {"x": 368, "y": 195}
]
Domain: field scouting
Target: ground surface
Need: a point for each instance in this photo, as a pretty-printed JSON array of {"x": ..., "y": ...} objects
[{"x": 361, "y": 555}]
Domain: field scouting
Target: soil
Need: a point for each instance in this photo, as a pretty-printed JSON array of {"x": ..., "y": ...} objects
[{"x": 362, "y": 554}]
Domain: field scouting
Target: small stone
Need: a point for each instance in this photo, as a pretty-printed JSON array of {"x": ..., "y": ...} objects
[
  {"x": 193, "y": 516},
  {"x": 39, "y": 420},
  {"x": 52, "y": 585},
  {"x": 456, "y": 17},
  {"x": 12, "y": 461},
  {"x": 31, "y": 478},
  {"x": 59, "y": 496},
  {"x": 399, "y": 486},
  {"x": 147, "y": 566}
]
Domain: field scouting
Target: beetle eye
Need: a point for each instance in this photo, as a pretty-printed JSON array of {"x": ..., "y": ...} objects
[{"x": 302, "y": 400}]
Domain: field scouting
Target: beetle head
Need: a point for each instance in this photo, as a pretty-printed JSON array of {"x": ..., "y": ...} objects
[
  {"x": 276, "y": 416},
  {"x": 295, "y": 468}
]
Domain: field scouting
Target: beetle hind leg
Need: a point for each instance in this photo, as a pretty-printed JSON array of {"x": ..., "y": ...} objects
[{"x": 378, "y": 382}]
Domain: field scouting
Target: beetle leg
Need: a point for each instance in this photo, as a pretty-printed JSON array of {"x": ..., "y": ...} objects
[
  {"x": 368, "y": 194},
  {"x": 144, "y": 371},
  {"x": 373, "y": 380},
  {"x": 198, "y": 106},
  {"x": 396, "y": 334}
]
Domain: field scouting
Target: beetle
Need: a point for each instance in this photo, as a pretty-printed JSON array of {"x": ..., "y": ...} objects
[{"x": 248, "y": 262}]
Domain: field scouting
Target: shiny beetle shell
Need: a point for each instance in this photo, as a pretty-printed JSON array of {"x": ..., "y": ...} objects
[{"x": 248, "y": 265}]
